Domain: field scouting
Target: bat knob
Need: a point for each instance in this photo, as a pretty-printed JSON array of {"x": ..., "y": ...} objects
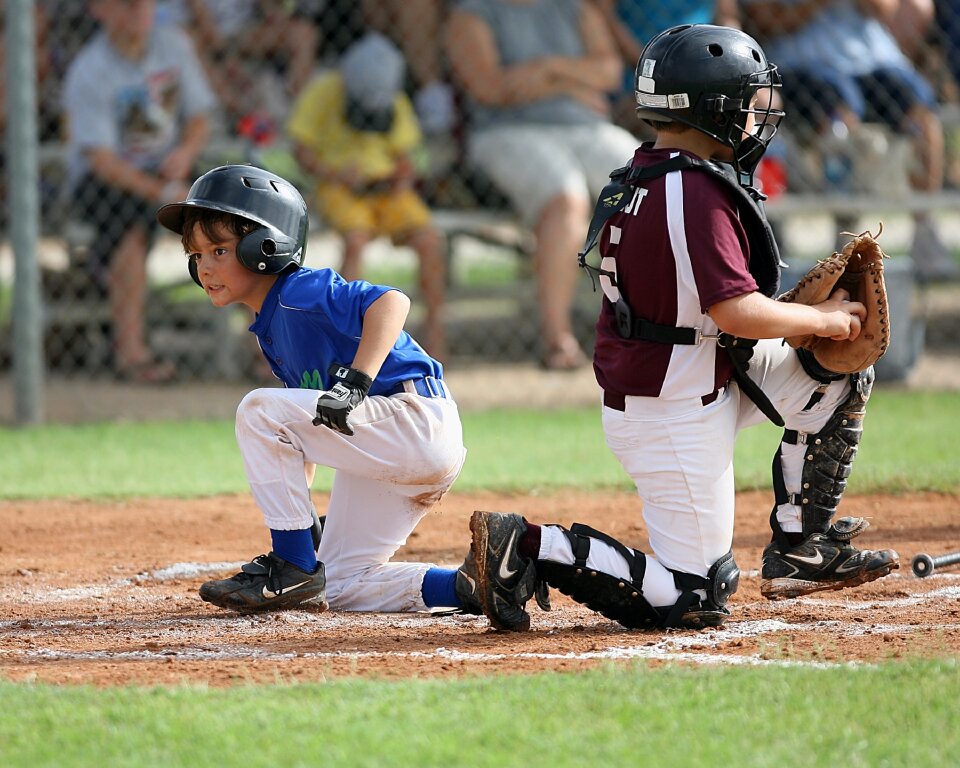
[{"x": 922, "y": 566}]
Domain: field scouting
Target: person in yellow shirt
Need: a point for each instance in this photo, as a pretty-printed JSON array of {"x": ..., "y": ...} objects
[{"x": 353, "y": 130}]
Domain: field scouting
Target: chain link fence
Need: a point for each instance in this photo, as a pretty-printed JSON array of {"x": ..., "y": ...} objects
[{"x": 124, "y": 84}]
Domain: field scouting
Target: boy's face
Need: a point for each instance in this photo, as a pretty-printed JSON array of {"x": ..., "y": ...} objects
[{"x": 221, "y": 274}]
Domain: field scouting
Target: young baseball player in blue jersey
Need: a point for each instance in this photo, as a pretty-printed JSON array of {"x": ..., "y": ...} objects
[
  {"x": 361, "y": 396},
  {"x": 689, "y": 351}
]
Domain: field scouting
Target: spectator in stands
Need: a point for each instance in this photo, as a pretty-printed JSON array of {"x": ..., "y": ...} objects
[
  {"x": 353, "y": 131},
  {"x": 258, "y": 54},
  {"x": 537, "y": 75},
  {"x": 634, "y": 22},
  {"x": 416, "y": 26},
  {"x": 842, "y": 66},
  {"x": 137, "y": 108}
]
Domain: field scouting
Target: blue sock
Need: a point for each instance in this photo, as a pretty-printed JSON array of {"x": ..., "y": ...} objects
[
  {"x": 295, "y": 547},
  {"x": 438, "y": 588}
]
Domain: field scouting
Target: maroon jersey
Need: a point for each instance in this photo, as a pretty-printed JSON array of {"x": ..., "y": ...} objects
[{"x": 676, "y": 249}]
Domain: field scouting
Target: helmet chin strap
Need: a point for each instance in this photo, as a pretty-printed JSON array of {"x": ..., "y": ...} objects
[{"x": 749, "y": 153}]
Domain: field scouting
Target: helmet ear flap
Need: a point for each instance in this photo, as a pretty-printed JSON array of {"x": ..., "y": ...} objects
[
  {"x": 268, "y": 251},
  {"x": 192, "y": 268}
]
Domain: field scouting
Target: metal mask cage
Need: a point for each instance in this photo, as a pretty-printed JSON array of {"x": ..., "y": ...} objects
[{"x": 749, "y": 146}]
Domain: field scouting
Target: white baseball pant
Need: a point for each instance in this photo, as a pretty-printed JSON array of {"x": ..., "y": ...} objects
[
  {"x": 406, "y": 452},
  {"x": 679, "y": 454}
]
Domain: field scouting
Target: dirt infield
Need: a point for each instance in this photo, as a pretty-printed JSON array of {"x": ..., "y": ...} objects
[{"x": 105, "y": 594}]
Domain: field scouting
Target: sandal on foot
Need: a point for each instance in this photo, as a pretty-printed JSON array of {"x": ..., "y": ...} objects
[
  {"x": 148, "y": 372},
  {"x": 566, "y": 357}
]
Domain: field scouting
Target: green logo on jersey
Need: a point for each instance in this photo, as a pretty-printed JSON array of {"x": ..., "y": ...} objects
[
  {"x": 311, "y": 380},
  {"x": 612, "y": 200}
]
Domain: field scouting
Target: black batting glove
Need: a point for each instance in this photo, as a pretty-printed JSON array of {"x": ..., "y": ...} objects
[{"x": 336, "y": 404}]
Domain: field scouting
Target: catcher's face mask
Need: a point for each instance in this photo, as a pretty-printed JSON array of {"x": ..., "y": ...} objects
[
  {"x": 716, "y": 80},
  {"x": 757, "y": 124}
]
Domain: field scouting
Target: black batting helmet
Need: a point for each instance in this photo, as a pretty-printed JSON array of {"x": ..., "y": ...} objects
[
  {"x": 278, "y": 244},
  {"x": 706, "y": 77}
]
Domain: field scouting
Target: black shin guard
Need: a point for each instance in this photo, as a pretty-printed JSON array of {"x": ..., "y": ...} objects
[
  {"x": 617, "y": 599},
  {"x": 828, "y": 461},
  {"x": 623, "y": 601}
]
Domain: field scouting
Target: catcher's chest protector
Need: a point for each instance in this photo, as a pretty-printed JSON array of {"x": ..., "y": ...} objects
[{"x": 764, "y": 253}]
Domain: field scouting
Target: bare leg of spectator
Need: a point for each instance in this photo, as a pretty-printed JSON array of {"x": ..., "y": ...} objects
[
  {"x": 428, "y": 245},
  {"x": 127, "y": 283},
  {"x": 302, "y": 40},
  {"x": 560, "y": 232},
  {"x": 929, "y": 148},
  {"x": 932, "y": 260},
  {"x": 353, "y": 245},
  {"x": 417, "y": 27},
  {"x": 909, "y": 21}
]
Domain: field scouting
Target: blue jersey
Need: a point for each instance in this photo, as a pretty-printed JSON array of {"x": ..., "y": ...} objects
[{"x": 312, "y": 318}]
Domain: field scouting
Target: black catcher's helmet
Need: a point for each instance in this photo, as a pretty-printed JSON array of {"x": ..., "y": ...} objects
[
  {"x": 706, "y": 77},
  {"x": 279, "y": 243}
]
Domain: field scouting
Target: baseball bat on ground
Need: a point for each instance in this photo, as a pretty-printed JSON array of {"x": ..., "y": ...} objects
[{"x": 924, "y": 564}]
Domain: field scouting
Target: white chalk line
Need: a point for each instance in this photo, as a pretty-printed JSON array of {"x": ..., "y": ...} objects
[
  {"x": 667, "y": 649},
  {"x": 949, "y": 593},
  {"x": 95, "y": 591},
  {"x": 192, "y": 569},
  {"x": 673, "y": 647}
]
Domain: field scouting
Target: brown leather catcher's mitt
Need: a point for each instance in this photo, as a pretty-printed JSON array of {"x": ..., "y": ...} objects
[{"x": 859, "y": 270}]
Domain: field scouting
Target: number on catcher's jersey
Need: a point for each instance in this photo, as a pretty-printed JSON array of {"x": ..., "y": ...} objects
[{"x": 608, "y": 264}]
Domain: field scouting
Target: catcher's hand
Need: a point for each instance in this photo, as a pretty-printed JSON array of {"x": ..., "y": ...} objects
[
  {"x": 336, "y": 404},
  {"x": 858, "y": 270}
]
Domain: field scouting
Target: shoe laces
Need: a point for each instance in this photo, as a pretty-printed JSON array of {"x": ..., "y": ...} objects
[{"x": 270, "y": 571}]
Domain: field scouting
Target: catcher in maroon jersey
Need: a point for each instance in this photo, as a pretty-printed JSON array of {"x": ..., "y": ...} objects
[{"x": 689, "y": 270}]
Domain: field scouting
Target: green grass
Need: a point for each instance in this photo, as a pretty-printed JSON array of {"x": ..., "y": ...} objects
[
  {"x": 910, "y": 444},
  {"x": 891, "y": 714},
  {"x": 863, "y": 717},
  {"x": 485, "y": 272}
]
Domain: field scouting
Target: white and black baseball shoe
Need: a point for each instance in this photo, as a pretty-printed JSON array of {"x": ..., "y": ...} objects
[
  {"x": 268, "y": 583},
  {"x": 823, "y": 561},
  {"x": 468, "y": 591},
  {"x": 505, "y": 579}
]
